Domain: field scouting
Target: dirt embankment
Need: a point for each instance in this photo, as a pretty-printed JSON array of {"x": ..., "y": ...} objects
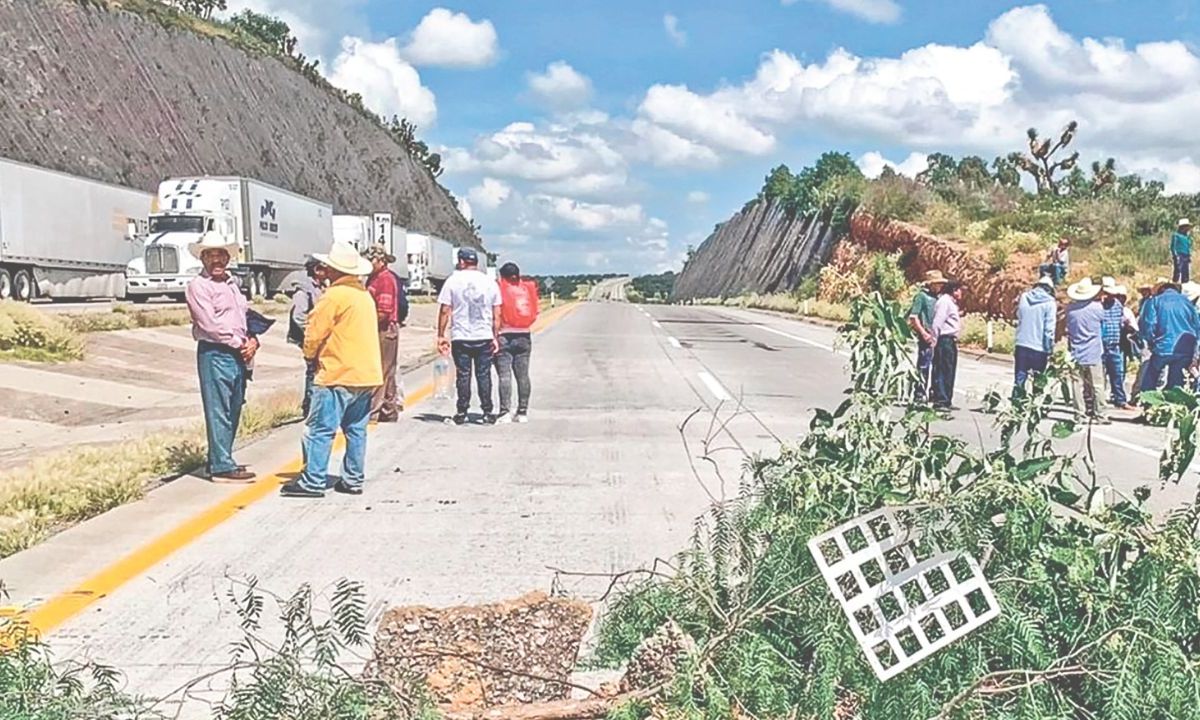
[
  {"x": 989, "y": 292},
  {"x": 115, "y": 97}
]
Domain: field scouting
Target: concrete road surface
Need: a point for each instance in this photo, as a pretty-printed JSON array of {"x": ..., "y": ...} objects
[{"x": 601, "y": 480}]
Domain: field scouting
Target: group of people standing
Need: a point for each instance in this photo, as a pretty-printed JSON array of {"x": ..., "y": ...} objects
[
  {"x": 346, "y": 318},
  {"x": 936, "y": 319}
]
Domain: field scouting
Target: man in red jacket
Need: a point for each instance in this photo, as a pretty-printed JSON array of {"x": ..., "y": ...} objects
[
  {"x": 518, "y": 312},
  {"x": 385, "y": 405}
]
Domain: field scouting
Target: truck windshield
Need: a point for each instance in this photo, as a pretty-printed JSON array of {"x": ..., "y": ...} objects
[{"x": 176, "y": 223}]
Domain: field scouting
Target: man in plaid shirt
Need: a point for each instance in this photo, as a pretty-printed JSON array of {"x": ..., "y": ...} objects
[{"x": 1110, "y": 337}]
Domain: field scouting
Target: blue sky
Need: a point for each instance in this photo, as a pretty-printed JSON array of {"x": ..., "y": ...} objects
[{"x": 609, "y": 136}]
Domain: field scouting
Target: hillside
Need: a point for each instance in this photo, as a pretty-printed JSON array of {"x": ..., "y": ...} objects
[{"x": 111, "y": 95}]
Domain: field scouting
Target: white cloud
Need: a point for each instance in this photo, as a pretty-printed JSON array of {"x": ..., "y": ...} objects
[
  {"x": 873, "y": 163},
  {"x": 677, "y": 34},
  {"x": 697, "y": 197},
  {"x": 560, "y": 87},
  {"x": 389, "y": 85},
  {"x": 449, "y": 39},
  {"x": 588, "y": 216},
  {"x": 708, "y": 119},
  {"x": 660, "y": 146},
  {"x": 876, "y": 11},
  {"x": 464, "y": 207},
  {"x": 318, "y": 25},
  {"x": 490, "y": 193}
]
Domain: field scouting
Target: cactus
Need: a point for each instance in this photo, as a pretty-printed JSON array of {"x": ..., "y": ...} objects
[{"x": 1040, "y": 162}]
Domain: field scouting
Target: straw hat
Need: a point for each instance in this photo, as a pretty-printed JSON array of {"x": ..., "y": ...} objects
[
  {"x": 934, "y": 277},
  {"x": 1117, "y": 291},
  {"x": 212, "y": 241},
  {"x": 1191, "y": 291},
  {"x": 379, "y": 252},
  {"x": 1085, "y": 289},
  {"x": 1184, "y": 222},
  {"x": 1163, "y": 282},
  {"x": 345, "y": 259}
]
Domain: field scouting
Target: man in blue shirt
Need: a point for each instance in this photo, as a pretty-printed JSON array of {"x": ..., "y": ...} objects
[
  {"x": 1181, "y": 251},
  {"x": 1085, "y": 316},
  {"x": 1110, "y": 336},
  {"x": 1170, "y": 326}
]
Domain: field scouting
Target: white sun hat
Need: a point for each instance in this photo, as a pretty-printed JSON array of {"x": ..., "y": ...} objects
[
  {"x": 1184, "y": 222},
  {"x": 344, "y": 258},
  {"x": 1085, "y": 289},
  {"x": 212, "y": 241}
]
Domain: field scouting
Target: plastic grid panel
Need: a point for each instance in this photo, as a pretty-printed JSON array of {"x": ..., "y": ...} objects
[{"x": 905, "y": 600}]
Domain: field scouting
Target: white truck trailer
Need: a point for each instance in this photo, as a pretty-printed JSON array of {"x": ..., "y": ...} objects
[
  {"x": 276, "y": 229},
  {"x": 363, "y": 231},
  {"x": 430, "y": 262},
  {"x": 63, "y": 236}
]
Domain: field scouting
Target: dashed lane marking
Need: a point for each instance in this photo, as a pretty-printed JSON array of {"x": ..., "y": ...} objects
[{"x": 715, "y": 387}]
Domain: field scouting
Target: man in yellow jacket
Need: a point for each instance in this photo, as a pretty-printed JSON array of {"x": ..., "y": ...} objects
[{"x": 342, "y": 337}]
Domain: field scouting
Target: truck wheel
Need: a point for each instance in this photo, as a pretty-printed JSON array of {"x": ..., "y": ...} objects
[
  {"x": 22, "y": 286},
  {"x": 262, "y": 285},
  {"x": 5, "y": 285}
]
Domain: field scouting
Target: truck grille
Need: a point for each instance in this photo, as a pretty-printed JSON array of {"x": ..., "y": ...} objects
[{"x": 162, "y": 260}]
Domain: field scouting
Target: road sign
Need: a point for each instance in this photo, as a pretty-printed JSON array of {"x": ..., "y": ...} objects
[
  {"x": 381, "y": 234},
  {"x": 549, "y": 283}
]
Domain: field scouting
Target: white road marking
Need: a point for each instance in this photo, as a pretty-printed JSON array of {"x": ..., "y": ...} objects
[
  {"x": 674, "y": 342},
  {"x": 797, "y": 338},
  {"x": 656, "y": 324},
  {"x": 715, "y": 387},
  {"x": 1127, "y": 445}
]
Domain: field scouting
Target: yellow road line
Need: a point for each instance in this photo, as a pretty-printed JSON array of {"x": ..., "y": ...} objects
[{"x": 64, "y": 606}]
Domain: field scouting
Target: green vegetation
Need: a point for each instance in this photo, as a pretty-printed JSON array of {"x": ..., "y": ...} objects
[
  {"x": 567, "y": 286},
  {"x": 651, "y": 288},
  {"x": 832, "y": 186},
  {"x": 67, "y": 487},
  {"x": 28, "y": 334},
  {"x": 1097, "y": 602},
  {"x": 128, "y": 317}
]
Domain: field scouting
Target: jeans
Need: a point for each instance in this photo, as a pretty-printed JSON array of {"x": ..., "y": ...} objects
[
  {"x": 945, "y": 367},
  {"x": 1175, "y": 365},
  {"x": 310, "y": 375},
  {"x": 1027, "y": 362},
  {"x": 513, "y": 358},
  {"x": 1083, "y": 390},
  {"x": 333, "y": 408},
  {"x": 1183, "y": 268},
  {"x": 1055, "y": 271},
  {"x": 1114, "y": 369},
  {"x": 924, "y": 370},
  {"x": 223, "y": 393},
  {"x": 476, "y": 353},
  {"x": 385, "y": 404}
]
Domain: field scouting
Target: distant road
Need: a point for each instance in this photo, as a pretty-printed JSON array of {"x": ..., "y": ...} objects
[{"x": 613, "y": 289}]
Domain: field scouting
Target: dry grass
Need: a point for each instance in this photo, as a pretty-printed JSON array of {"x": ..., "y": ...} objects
[
  {"x": 73, "y": 485},
  {"x": 124, "y": 316},
  {"x": 28, "y": 334}
]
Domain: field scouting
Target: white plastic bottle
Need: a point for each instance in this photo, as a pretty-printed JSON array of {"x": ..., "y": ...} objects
[{"x": 441, "y": 378}]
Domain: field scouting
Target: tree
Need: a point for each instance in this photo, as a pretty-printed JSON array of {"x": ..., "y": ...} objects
[
  {"x": 940, "y": 170},
  {"x": 778, "y": 184},
  {"x": 272, "y": 31},
  {"x": 1040, "y": 162},
  {"x": 1104, "y": 175},
  {"x": 1006, "y": 173}
]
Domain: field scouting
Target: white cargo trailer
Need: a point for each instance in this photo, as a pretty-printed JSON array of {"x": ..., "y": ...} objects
[
  {"x": 430, "y": 262},
  {"x": 63, "y": 236},
  {"x": 362, "y": 231},
  {"x": 276, "y": 229}
]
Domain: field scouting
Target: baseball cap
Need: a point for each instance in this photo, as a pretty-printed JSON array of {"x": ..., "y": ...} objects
[{"x": 468, "y": 255}]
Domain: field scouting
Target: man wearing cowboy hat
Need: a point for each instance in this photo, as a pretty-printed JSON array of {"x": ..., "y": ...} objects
[
  {"x": 1111, "y": 331},
  {"x": 1181, "y": 251},
  {"x": 342, "y": 337},
  {"x": 920, "y": 319},
  {"x": 1169, "y": 327},
  {"x": 1037, "y": 314},
  {"x": 224, "y": 346},
  {"x": 385, "y": 290},
  {"x": 1085, "y": 316}
]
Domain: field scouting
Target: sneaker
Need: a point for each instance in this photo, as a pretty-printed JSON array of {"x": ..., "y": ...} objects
[
  {"x": 296, "y": 490},
  {"x": 504, "y": 418},
  {"x": 345, "y": 489},
  {"x": 488, "y": 419},
  {"x": 522, "y": 417},
  {"x": 460, "y": 419}
]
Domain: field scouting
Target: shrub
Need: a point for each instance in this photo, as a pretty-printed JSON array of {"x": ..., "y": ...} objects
[
  {"x": 30, "y": 334},
  {"x": 997, "y": 257},
  {"x": 941, "y": 218},
  {"x": 896, "y": 198},
  {"x": 886, "y": 276}
]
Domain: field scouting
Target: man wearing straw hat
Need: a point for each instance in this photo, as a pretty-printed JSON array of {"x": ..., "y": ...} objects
[
  {"x": 342, "y": 336},
  {"x": 1111, "y": 330},
  {"x": 1169, "y": 326},
  {"x": 224, "y": 347},
  {"x": 385, "y": 291},
  {"x": 1181, "y": 251},
  {"x": 1085, "y": 317},
  {"x": 1037, "y": 316},
  {"x": 920, "y": 319}
]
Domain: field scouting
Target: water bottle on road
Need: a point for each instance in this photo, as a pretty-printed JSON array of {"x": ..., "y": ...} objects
[{"x": 441, "y": 378}]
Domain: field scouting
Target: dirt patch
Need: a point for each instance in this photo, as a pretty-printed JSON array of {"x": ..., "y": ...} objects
[{"x": 473, "y": 657}]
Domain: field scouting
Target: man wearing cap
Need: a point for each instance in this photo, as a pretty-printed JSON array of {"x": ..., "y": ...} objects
[
  {"x": 946, "y": 329},
  {"x": 469, "y": 330},
  {"x": 385, "y": 291},
  {"x": 308, "y": 292},
  {"x": 1181, "y": 251},
  {"x": 223, "y": 348},
  {"x": 342, "y": 338},
  {"x": 1085, "y": 317},
  {"x": 1037, "y": 314},
  {"x": 920, "y": 319},
  {"x": 1169, "y": 326},
  {"x": 1111, "y": 330}
]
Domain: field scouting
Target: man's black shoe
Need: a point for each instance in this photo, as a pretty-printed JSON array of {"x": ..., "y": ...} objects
[
  {"x": 460, "y": 419},
  {"x": 345, "y": 489},
  {"x": 295, "y": 489},
  {"x": 489, "y": 419}
]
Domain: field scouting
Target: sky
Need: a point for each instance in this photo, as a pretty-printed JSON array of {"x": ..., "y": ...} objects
[{"x": 588, "y": 136}]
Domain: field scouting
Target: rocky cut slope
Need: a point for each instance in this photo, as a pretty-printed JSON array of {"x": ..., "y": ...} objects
[
  {"x": 762, "y": 249},
  {"x": 109, "y": 95}
]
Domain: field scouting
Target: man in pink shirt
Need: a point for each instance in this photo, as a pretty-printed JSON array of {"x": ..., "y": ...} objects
[
  {"x": 946, "y": 329},
  {"x": 223, "y": 348}
]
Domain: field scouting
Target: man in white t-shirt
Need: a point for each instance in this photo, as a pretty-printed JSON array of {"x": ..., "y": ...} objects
[{"x": 469, "y": 308}]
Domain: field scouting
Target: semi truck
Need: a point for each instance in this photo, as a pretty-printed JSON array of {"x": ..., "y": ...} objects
[
  {"x": 363, "y": 231},
  {"x": 63, "y": 236},
  {"x": 430, "y": 262},
  {"x": 276, "y": 230}
]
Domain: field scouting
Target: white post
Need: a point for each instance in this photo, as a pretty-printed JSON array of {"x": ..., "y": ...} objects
[
  {"x": 990, "y": 335},
  {"x": 553, "y": 300},
  {"x": 806, "y": 306}
]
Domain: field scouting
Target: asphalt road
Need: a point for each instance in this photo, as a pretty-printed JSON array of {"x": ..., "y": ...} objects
[{"x": 607, "y": 476}]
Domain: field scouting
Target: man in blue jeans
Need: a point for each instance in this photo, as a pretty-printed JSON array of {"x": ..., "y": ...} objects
[
  {"x": 342, "y": 337},
  {"x": 470, "y": 303},
  {"x": 920, "y": 320},
  {"x": 1110, "y": 335},
  {"x": 1037, "y": 315},
  {"x": 1181, "y": 251},
  {"x": 1169, "y": 326}
]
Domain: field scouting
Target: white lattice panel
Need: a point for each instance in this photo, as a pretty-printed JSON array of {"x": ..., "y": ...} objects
[{"x": 905, "y": 599}]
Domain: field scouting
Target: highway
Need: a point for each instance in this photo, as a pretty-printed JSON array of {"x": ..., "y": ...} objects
[{"x": 606, "y": 477}]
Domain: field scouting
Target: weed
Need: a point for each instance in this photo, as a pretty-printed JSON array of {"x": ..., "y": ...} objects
[{"x": 29, "y": 334}]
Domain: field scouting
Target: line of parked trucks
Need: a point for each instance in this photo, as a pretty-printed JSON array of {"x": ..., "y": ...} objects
[{"x": 63, "y": 236}]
